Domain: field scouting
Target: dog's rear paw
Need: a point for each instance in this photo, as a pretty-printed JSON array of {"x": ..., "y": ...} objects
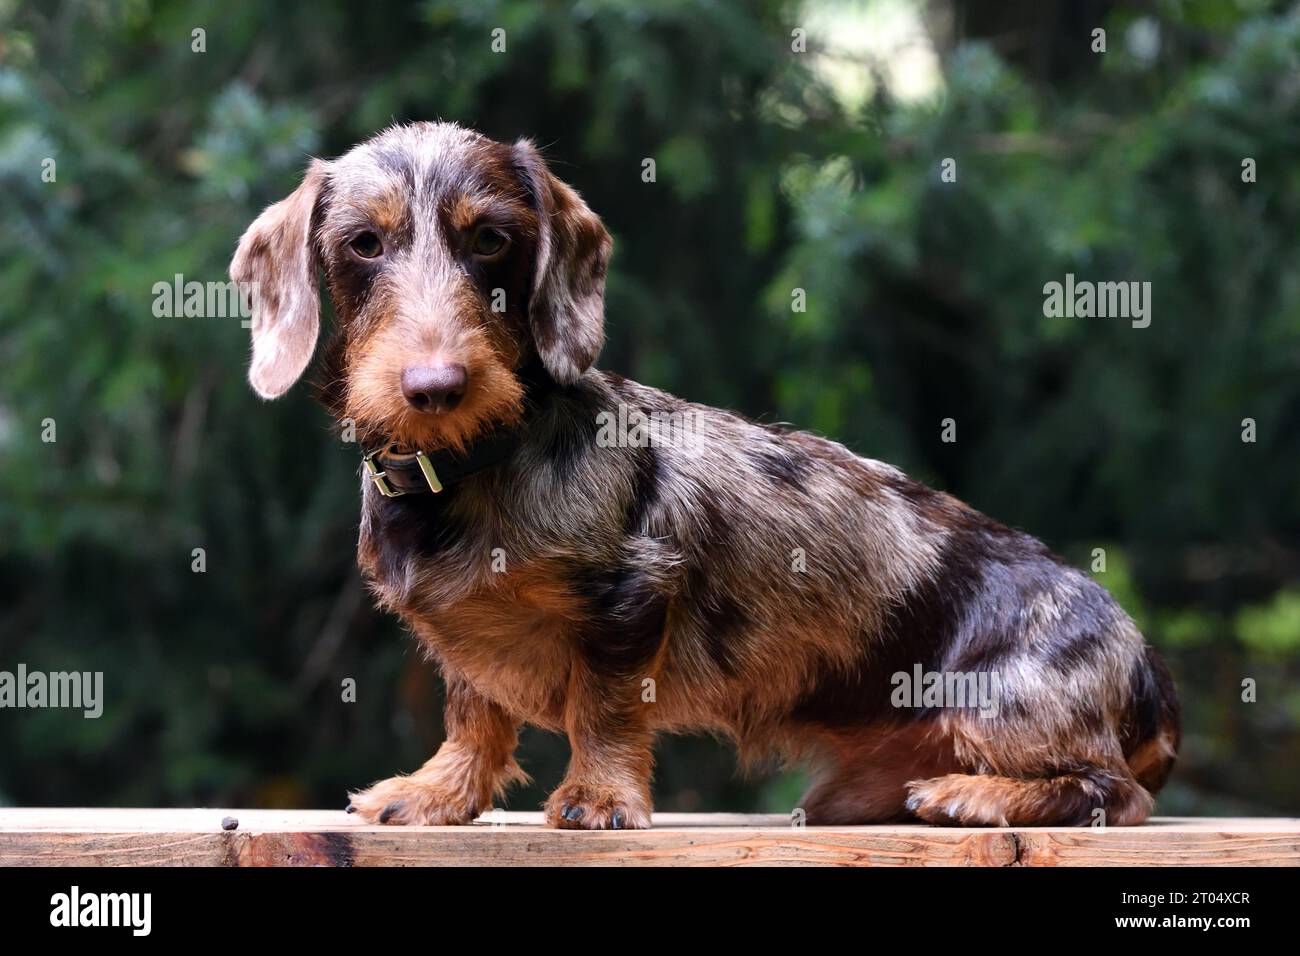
[
  {"x": 934, "y": 801},
  {"x": 408, "y": 801},
  {"x": 576, "y": 806}
]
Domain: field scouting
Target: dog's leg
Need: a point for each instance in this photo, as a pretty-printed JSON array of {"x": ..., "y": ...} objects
[
  {"x": 607, "y": 786},
  {"x": 1071, "y": 799},
  {"x": 457, "y": 784},
  {"x": 861, "y": 776}
]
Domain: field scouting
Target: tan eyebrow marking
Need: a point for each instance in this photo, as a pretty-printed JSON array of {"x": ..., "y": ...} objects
[
  {"x": 387, "y": 210},
  {"x": 470, "y": 209},
  {"x": 467, "y": 210}
]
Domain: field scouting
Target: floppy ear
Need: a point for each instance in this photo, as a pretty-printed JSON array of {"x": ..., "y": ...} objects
[
  {"x": 275, "y": 266},
  {"x": 566, "y": 310}
]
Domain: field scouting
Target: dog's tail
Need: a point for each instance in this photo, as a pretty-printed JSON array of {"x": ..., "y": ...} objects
[{"x": 1151, "y": 730}]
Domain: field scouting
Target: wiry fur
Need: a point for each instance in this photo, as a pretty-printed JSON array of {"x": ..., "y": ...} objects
[{"x": 768, "y": 582}]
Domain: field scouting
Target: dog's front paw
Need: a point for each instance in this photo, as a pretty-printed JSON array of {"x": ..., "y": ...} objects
[
  {"x": 579, "y": 806},
  {"x": 411, "y": 801}
]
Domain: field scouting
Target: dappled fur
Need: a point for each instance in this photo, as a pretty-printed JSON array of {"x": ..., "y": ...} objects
[{"x": 754, "y": 582}]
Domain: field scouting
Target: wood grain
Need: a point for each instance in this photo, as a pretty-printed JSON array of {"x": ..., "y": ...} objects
[{"x": 144, "y": 837}]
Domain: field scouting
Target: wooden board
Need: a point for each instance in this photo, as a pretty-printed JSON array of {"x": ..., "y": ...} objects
[{"x": 142, "y": 837}]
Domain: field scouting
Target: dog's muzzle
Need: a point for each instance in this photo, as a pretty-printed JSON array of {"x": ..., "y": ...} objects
[{"x": 398, "y": 469}]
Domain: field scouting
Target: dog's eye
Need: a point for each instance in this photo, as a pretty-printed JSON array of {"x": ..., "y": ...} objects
[
  {"x": 489, "y": 241},
  {"x": 367, "y": 245}
]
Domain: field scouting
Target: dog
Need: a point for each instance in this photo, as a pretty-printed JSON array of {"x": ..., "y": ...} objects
[{"x": 754, "y": 582}]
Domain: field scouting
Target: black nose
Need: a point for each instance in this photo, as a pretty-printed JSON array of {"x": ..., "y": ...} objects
[{"x": 437, "y": 389}]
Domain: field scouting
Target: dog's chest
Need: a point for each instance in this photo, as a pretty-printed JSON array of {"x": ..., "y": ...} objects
[{"x": 509, "y": 637}]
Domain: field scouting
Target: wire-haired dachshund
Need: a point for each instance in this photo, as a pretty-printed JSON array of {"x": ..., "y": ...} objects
[{"x": 599, "y": 558}]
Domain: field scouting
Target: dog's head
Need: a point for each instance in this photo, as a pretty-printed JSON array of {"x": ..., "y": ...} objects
[{"x": 452, "y": 260}]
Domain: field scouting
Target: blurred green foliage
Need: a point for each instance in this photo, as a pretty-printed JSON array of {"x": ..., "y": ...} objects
[{"x": 924, "y": 301}]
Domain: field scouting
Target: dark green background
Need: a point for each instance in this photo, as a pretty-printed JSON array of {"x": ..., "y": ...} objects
[{"x": 924, "y": 302}]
